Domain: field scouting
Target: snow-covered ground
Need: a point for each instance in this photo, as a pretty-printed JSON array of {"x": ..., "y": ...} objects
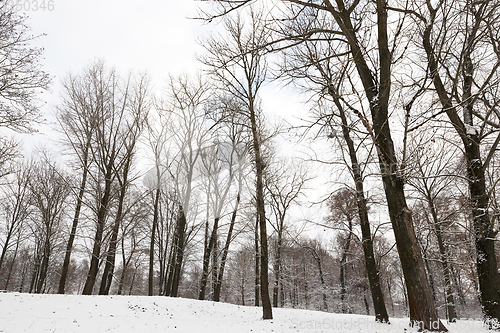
[{"x": 95, "y": 314}]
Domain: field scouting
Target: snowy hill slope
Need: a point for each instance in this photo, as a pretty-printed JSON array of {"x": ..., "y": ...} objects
[{"x": 124, "y": 314}]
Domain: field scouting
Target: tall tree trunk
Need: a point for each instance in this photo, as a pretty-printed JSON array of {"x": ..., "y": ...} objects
[
  {"x": 485, "y": 235},
  {"x": 225, "y": 251},
  {"x": 44, "y": 266},
  {"x": 179, "y": 252},
  {"x": 277, "y": 264},
  {"x": 74, "y": 226},
  {"x": 257, "y": 264},
  {"x": 101, "y": 220},
  {"x": 450, "y": 301},
  {"x": 152, "y": 241},
  {"x": 6, "y": 245},
  {"x": 242, "y": 290},
  {"x": 24, "y": 274},
  {"x": 215, "y": 263},
  {"x": 486, "y": 262},
  {"x": 120, "y": 283},
  {"x": 206, "y": 259},
  {"x": 107, "y": 276},
  {"x": 170, "y": 269},
  {"x": 124, "y": 268},
  {"x": 132, "y": 282},
  {"x": 267, "y": 312},
  {"x": 377, "y": 91},
  {"x": 370, "y": 264},
  {"x": 164, "y": 252},
  {"x": 343, "y": 263},
  {"x": 36, "y": 270}
]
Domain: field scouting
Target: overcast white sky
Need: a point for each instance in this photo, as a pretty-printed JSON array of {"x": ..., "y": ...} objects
[
  {"x": 153, "y": 35},
  {"x": 156, "y": 36},
  {"x": 159, "y": 36}
]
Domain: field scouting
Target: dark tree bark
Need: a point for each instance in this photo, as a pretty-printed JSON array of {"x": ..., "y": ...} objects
[
  {"x": 225, "y": 251},
  {"x": 367, "y": 241},
  {"x": 486, "y": 262},
  {"x": 343, "y": 263},
  {"x": 107, "y": 275},
  {"x": 215, "y": 263},
  {"x": 257, "y": 264},
  {"x": 206, "y": 259},
  {"x": 154, "y": 227},
  {"x": 74, "y": 226},
  {"x": 377, "y": 90},
  {"x": 261, "y": 216},
  {"x": 317, "y": 258},
  {"x": 178, "y": 255},
  {"x": 101, "y": 220},
  {"x": 171, "y": 266},
  {"x": 277, "y": 264},
  {"x": 125, "y": 265},
  {"x": 44, "y": 266}
]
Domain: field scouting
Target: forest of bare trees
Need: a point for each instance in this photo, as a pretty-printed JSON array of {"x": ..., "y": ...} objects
[{"x": 192, "y": 191}]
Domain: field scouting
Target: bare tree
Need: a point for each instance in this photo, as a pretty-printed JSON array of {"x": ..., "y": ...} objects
[
  {"x": 237, "y": 62},
  {"x": 134, "y": 233},
  {"x": 218, "y": 189},
  {"x": 15, "y": 206},
  {"x": 77, "y": 122},
  {"x": 285, "y": 183},
  {"x": 116, "y": 118},
  {"x": 188, "y": 125},
  {"x": 223, "y": 164},
  {"x": 318, "y": 66},
  {"x": 342, "y": 214},
  {"x": 49, "y": 193},
  {"x": 460, "y": 40},
  {"x": 373, "y": 62},
  {"x": 139, "y": 107},
  {"x": 429, "y": 173},
  {"x": 236, "y": 134},
  {"x": 21, "y": 75},
  {"x": 156, "y": 142}
]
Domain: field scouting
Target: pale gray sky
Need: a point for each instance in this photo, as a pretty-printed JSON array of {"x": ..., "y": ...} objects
[
  {"x": 153, "y": 35},
  {"x": 156, "y": 36},
  {"x": 159, "y": 36}
]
